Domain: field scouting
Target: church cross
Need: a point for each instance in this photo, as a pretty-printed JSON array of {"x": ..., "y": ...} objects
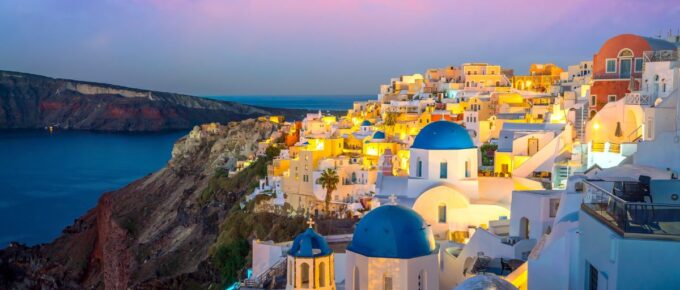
[{"x": 310, "y": 222}]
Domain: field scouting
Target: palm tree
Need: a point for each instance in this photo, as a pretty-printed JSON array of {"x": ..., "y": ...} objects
[{"x": 329, "y": 181}]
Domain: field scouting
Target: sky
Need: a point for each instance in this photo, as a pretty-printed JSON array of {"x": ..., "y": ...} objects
[{"x": 285, "y": 47}]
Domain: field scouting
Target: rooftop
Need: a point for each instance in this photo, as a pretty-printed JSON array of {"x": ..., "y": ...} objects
[{"x": 628, "y": 208}]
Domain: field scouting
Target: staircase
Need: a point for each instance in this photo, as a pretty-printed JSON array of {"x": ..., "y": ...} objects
[
  {"x": 580, "y": 123},
  {"x": 278, "y": 269},
  {"x": 561, "y": 173},
  {"x": 545, "y": 154}
]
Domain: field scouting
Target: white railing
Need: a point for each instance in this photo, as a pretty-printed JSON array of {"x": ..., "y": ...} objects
[
  {"x": 660, "y": 55},
  {"x": 638, "y": 99}
]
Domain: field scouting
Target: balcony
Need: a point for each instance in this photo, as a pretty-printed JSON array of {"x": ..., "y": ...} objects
[
  {"x": 638, "y": 99},
  {"x": 660, "y": 55},
  {"x": 628, "y": 209}
]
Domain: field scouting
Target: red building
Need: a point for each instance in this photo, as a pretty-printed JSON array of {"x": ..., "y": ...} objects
[{"x": 617, "y": 67}]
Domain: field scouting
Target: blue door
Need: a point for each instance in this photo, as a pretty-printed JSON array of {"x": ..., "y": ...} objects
[{"x": 625, "y": 68}]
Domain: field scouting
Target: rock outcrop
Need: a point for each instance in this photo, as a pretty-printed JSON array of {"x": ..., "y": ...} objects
[
  {"x": 155, "y": 233},
  {"x": 30, "y": 101}
]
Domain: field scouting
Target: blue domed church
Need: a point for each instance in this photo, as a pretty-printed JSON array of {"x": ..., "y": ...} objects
[
  {"x": 392, "y": 248},
  {"x": 310, "y": 262},
  {"x": 443, "y": 185}
]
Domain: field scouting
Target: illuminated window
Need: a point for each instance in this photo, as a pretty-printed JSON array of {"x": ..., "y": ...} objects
[
  {"x": 611, "y": 65},
  {"x": 387, "y": 283},
  {"x": 443, "y": 170}
]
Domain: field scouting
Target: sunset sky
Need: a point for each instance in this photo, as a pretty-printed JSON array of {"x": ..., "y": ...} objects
[{"x": 213, "y": 47}]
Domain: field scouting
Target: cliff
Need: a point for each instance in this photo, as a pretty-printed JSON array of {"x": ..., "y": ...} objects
[
  {"x": 173, "y": 229},
  {"x": 30, "y": 101}
]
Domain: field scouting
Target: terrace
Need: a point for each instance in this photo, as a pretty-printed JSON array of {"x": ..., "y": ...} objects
[{"x": 629, "y": 209}]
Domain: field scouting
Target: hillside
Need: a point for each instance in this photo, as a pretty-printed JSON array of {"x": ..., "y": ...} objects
[
  {"x": 178, "y": 228},
  {"x": 34, "y": 102}
]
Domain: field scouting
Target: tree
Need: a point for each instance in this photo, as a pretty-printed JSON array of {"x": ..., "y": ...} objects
[
  {"x": 329, "y": 181},
  {"x": 390, "y": 119}
]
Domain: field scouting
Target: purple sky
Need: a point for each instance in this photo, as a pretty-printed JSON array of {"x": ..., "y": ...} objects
[{"x": 227, "y": 47}]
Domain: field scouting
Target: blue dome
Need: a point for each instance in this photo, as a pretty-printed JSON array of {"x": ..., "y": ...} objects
[
  {"x": 366, "y": 123},
  {"x": 443, "y": 135},
  {"x": 309, "y": 244},
  {"x": 379, "y": 135},
  {"x": 392, "y": 231}
]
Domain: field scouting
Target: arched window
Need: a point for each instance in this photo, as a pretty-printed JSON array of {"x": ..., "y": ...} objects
[
  {"x": 322, "y": 274},
  {"x": 524, "y": 228},
  {"x": 354, "y": 177},
  {"x": 441, "y": 213},
  {"x": 304, "y": 275},
  {"x": 357, "y": 282}
]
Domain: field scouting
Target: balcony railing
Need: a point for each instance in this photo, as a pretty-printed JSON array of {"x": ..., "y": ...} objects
[
  {"x": 635, "y": 219},
  {"x": 638, "y": 99},
  {"x": 660, "y": 55}
]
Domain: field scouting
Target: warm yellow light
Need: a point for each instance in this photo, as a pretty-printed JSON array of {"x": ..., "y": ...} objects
[{"x": 596, "y": 126}]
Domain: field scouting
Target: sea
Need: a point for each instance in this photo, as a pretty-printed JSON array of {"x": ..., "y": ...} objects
[
  {"x": 309, "y": 102},
  {"x": 47, "y": 180}
]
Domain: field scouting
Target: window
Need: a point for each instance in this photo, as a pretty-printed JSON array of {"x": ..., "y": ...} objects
[
  {"x": 638, "y": 64},
  {"x": 387, "y": 283},
  {"x": 357, "y": 283},
  {"x": 611, "y": 65},
  {"x": 611, "y": 98},
  {"x": 441, "y": 214},
  {"x": 419, "y": 170},
  {"x": 593, "y": 100},
  {"x": 592, "y": 277},
  {"x": 443, "y": 170},
  {"x": 467, "y": 169},
  {"x": 663, "y": 87},
  {"x": 554, "y": 205},
  {"x": 322, "y": 274},
  {"x": 422, "y": 277},
  {"x": 304, "y": 276}
]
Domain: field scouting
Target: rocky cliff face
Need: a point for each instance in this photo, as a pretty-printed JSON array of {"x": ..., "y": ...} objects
[
  {"x": 31, "y": 101},
  {"x": 155, "y": 233}
]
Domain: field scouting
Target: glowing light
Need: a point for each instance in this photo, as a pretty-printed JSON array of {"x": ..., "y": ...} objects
[{"x": 596, "y": 126}]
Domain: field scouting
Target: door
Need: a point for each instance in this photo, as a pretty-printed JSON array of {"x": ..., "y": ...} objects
[
  {"x": 532, "y": 144},
  {"x": 625, "y": 68}
]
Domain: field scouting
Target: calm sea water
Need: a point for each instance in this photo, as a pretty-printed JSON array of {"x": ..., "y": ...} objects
[
  {"x": 48, "y": 180},
  {"x": 318, "y": 102}
]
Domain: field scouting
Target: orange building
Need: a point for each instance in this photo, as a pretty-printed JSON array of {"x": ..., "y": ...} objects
[{"x": 617, "y": 67}]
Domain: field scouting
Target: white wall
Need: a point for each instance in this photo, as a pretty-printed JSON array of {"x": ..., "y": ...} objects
[
  {"x": 627, "y": 263},
  {"x": 404, "y": 272},
  {"x": 455, "y": 159},
  {"x": 265, "y": 255},
  {"x": 536, "y": 208}
]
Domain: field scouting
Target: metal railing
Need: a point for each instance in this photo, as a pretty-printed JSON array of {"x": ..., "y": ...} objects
[
  {"x": 660, "y": 55},
  {"x": 624, "y": 217}
]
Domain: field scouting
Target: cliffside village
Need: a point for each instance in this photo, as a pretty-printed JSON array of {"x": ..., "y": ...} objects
[{"x": 564, "y": 178}]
